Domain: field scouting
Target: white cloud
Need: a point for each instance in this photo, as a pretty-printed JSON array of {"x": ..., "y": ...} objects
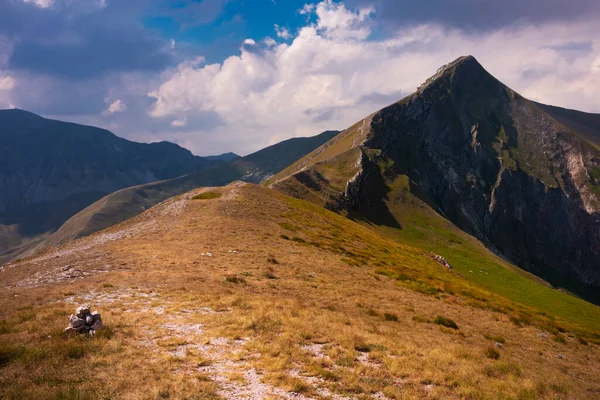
[
  {"x": 179, "y": 122},
  {"x": 282, "y": 32},
  {"x": 334, "y": 20},
  {"x": 7, "y": 82},
  {"x": 116, "y": 106},
  {"x": 332, "y": 75},
  {"x": 41, "y": 3},
  {"x": 269, "y": 42},
  {"x": 307, "y": 9},
  {"x": 249, "y": 42},
  {"x": 595, "y": 68}
]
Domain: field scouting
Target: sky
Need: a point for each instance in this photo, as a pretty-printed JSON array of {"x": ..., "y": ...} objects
[{"x": 237, "y": 75}]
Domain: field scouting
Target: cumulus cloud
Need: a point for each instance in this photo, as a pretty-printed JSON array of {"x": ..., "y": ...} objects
[
  {"x": 116, "y": 106},
  {"x": 335, "y": 21},
  {"x": 332, "y": 73}
]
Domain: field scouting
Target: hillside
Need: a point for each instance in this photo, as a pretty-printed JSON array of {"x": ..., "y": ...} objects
[
  {"x": 468, "y": 149},
  {"x": 127, "y": 203},
  {"x": 50, "y": 170},
  {"x": 241, "y": 292}
]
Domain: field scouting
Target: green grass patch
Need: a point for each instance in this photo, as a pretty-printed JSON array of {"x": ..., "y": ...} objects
[
  {"x": 447, "y": 322},
  {"x": 207, "y": 196},
  {"x": 485, "y": 280},
  {"x": 495, "y": 338},
  {"x": 289, "y": 227},
  {"x": 492, "y": 353},
  {"x": 390, "y": 317}
]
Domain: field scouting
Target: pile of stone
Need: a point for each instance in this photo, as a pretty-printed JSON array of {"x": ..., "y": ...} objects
[
  {"x": 441, "y": 260},
  {"x": 84, "y": 321}
]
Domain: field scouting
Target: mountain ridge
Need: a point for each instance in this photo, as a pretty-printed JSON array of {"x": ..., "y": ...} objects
[{"x": 129, "y": 202}]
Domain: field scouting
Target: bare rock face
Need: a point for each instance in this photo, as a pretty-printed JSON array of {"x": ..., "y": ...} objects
[
  {"x": 500, "y": 168},
  {"x": 84, "y": 321}
]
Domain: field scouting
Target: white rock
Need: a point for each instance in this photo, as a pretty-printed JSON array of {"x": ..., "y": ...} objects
[{"x": 83, "y": 311}]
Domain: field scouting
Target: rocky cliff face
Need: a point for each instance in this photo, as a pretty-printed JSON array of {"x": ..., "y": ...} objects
[
  {"x": 500, "y": 168},
  {"x": 492, "y": 162}
]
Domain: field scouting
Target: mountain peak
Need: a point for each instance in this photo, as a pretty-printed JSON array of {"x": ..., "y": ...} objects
[{"x": 464, "y": 72}]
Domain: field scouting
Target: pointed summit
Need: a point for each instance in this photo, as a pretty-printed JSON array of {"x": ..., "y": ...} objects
[{"x": 463, "y": 73}]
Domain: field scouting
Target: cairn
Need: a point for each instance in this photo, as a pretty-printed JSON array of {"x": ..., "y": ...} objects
[
  {"x": 84, "y": 321},
  {"x": 441, "y": 260}
]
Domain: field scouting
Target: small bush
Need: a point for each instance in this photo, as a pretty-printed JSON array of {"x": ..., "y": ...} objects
[
  {"x": 272, "y": 260},
  {"x": 207, "y": 196},
  {"x": 362, "y": 347},
  {"x": 447, "y": 322},
  {"x": 560, "y": 339},
  {"x": 492, "y": 353},
  {"x": 234, "y": 279},
  {"x": 372, "y": 313},
  {"x": 520, "y": 320},
  {"x": 390, "y": 317},
  {"x": 270, "y": 273},
  {"x": 420, "y": 318},
  {"x": 495, "y": 338},
  {"x": 298, "y": 240},
  {"x": 284, "y": 237},
  {"x": 582, "y": 341}
]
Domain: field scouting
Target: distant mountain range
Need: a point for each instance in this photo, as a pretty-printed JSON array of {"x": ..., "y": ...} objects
[
  {"x": 51, "y": 170},
  {"x": 522, "y": 177}
]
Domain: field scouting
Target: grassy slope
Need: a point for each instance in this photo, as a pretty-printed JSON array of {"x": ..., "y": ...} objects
[
  {"x": 420, "y": 226},
  {"x": 312, "y": 302},
  {"x": 424, "y": 228},
  {"x": 341, "y": 143}
]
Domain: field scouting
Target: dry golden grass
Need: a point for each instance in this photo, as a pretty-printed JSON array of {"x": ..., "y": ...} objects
[{"x": 265, "y": 316}]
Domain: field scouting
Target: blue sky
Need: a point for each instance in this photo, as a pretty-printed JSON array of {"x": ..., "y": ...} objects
[{"x": 237, "y": 75}]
